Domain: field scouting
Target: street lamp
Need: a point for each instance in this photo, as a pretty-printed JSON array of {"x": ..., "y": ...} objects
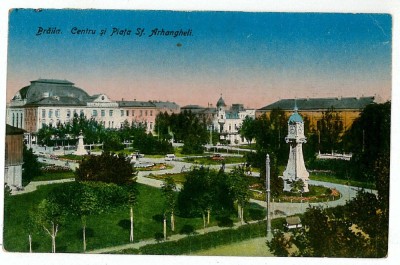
[{"x": 268, "y": 197}]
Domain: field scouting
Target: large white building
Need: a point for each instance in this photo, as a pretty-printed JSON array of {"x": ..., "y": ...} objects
[
  {"x": 224, "y": 119},
  {"x": 50, "y": 101}
]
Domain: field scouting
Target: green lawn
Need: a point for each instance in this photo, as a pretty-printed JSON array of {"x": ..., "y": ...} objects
[
  {"x": 177, "y": 177},
  {"x": 334, "y": 179},
  {"x": 104, "y": 230},
  {"x": 209, "y": 161},
  {"x": 54, "y": 176},
  {"x": 316, "y": 194}
]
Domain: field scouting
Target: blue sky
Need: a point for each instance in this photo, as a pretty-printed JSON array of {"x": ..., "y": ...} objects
[{"x": 251, "y": 58}]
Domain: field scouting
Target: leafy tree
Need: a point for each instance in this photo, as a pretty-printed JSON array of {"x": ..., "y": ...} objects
[
  {"x": 204, "y": 191},
  {"x": 239, "y": 189},
  {"x": 31, "y": 166},
  {"x": 107, "y": 167},
  {"x": 185, "y": 127},
  {"x": 50, "y": 216},
  {"x": 30, "y": 227},
  {"x": 279, "y": 244},
  {"x": 132, "y": 193},
  {"x": 330, "y": 128},
  {"x": 169, "y": 189},
  {"x": 247, "y": 129},
  {"x": 369, "y": 139}
]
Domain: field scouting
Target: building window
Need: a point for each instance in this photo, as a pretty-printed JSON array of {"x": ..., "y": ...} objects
[
  {"x": 141, "y": 113},
  {"x": 222, "y": 116},
  {"x": 151, "y": 126},
  {"x": 151, "y": 113},
  {"x": 43, "y": 113},
  {"x": 50, "y": 113},
  {"x": 133, "y": 113},
  {"x": 68, "y": 113},
  {"x": 127, "y": 113},
  {"x": 81, "y": 112},
  {"x": 145, "y": 113},
  {"x": 94, "y": 113},
  {"x": 103, "y": 113},
  {"x": 110, "y": 113},
  {"x": 122, "y": 113},
  {"x": 57, "y": 113},
  {"x": 74, "y": 112}
]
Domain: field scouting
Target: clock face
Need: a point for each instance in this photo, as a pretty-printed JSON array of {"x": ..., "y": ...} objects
[
  {"x": 292, "y": 129},
  {"x": 300, "y": 130}
]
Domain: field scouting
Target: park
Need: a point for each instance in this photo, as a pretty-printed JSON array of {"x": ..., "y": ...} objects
[{"x": 125, "y": 197}]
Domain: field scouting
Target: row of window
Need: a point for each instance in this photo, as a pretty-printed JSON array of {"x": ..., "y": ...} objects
[
  {"x": 132, "y": 112},
  {"x": 95, "y": 113}
]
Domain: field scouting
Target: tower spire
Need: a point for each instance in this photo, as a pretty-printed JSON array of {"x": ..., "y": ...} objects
[{"x": 295, "y": 105}]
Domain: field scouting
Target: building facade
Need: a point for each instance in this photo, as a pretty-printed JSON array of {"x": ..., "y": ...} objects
[
  {"x": 348, "y": 108},
  {"x": 50, "y": 102},
  {"x": 224, "y": 119}
]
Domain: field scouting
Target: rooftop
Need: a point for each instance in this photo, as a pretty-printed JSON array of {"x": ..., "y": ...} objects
[{"x": 321, "y": 103}]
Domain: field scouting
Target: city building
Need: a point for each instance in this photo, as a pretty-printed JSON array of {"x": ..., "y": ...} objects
[
  {"x": 349, "y": 108},
  {"x": 223, "y": 119},
  {"x": 14, "y": 146},
  {"x": 50, "y": 101}
]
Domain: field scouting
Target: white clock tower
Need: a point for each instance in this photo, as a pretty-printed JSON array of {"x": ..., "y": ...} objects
[{"x": 295, "y": 169}]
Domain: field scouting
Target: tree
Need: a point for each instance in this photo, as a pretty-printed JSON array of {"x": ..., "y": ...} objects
[
  {"x": 204, "y": 191},
  {"x": 247, "y": 129},
  {"x": 86, "y": 204},
  {"x": 169, "y": 188},
  {"x": 369, "y": 139},
  {"x": 330, "y": 128},
  {"x": 30, "y": 226},
  {"x": 280, "y": 244},
  {"x": 107, "y": 167},
  {"x": 49, "y": 216},
  {"x": 31, "y": 166},
  {"x": 132, "y": 200},
  {"x": 239, "y": 189},
  {"x": 195, "y": 196}
]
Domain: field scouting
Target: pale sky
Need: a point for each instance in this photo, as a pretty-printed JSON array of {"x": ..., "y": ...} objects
[{"x": 249, "y": 58}]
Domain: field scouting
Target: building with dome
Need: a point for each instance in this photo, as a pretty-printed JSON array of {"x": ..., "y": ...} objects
[
  {"x": 51, "y": 101},
  {"x": 224, "y": 119}
]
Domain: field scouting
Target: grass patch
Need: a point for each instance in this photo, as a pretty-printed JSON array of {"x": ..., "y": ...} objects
[
  {"x": 247, "y": 146},
  {"x": 210, "y": 240},
  {"x": 316, "y": 194},
  {"x": 333, "y": 179},
  {"x": 72, "y": 157},
  {"x": 104, "y": 230},
  {"x": 179, "y": 178},
  {"x": 54, "y": 176},
  {"x": 156, "y": 167},
  {"x": 210, "y": 161}
]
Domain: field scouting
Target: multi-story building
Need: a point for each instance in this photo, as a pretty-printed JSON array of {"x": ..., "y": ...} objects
[
  {"x": 49, "y": 102},
  {"x": 223, "y": 119},
  {"x": 348, "y": 108}
]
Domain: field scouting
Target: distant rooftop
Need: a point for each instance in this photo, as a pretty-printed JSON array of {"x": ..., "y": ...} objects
[
  {"x": 136, "y": 104},
  {"x": 321, "y": 103},
  {"x": 44, "y": 88}
]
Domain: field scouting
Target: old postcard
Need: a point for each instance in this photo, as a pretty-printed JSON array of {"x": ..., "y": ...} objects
[{"x": 198, "y": 133}]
